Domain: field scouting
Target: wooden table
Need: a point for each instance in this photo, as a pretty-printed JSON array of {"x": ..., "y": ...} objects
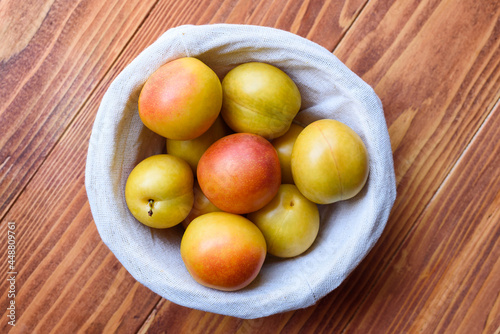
[{"x": 435, "y": 65}]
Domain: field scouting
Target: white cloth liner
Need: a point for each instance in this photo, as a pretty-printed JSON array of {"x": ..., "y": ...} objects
[{"x": 329, "y": 89}]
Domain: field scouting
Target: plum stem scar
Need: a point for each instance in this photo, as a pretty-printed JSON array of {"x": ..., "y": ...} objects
[{"x": 150, "y": 212}]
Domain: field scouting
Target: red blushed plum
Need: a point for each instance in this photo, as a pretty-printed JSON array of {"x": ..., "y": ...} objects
[
  {"x": 192, "y": 150},
  {"x": 181, "y": 99},
  {"x": 240, "y": 173},
  {"x": 223, "y": 251}
]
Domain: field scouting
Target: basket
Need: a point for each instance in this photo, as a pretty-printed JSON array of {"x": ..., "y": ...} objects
[{"x": 348, "y": 229}]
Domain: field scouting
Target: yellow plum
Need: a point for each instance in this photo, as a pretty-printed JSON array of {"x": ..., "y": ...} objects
[
  {"x": 289, "y": 223},
  {"x": 201, "y": 205},
  {"x": 159, "y": 191},
  {"x": 283, "y": 146},
  {"x": 259, "y": 98},
  {"x": 329, "y": 162}
]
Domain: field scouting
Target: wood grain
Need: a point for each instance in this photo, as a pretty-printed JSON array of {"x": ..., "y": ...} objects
[
  {"x": 19, "y": 25},
  {"x": 459, "y": 269},
  {"x": 441, "y": 96},
  {"x": 48, "y": 70},
  {"x": 324, "y": 22},
  {"x": 435, "y": 65},
  {"x": 67, "y": 278},
  {"x": 43, "y": 87}
]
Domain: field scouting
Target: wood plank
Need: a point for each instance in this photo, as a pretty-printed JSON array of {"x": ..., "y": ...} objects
[
  {"x": 68, "y": 280},
  {"x": 453, "y": 285},
  {"x": 46, "y": 258},
  {"x": 324, "y": 22},
  {"x": 49, "y": 66},
  {"x": 44, "y": 84}
]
